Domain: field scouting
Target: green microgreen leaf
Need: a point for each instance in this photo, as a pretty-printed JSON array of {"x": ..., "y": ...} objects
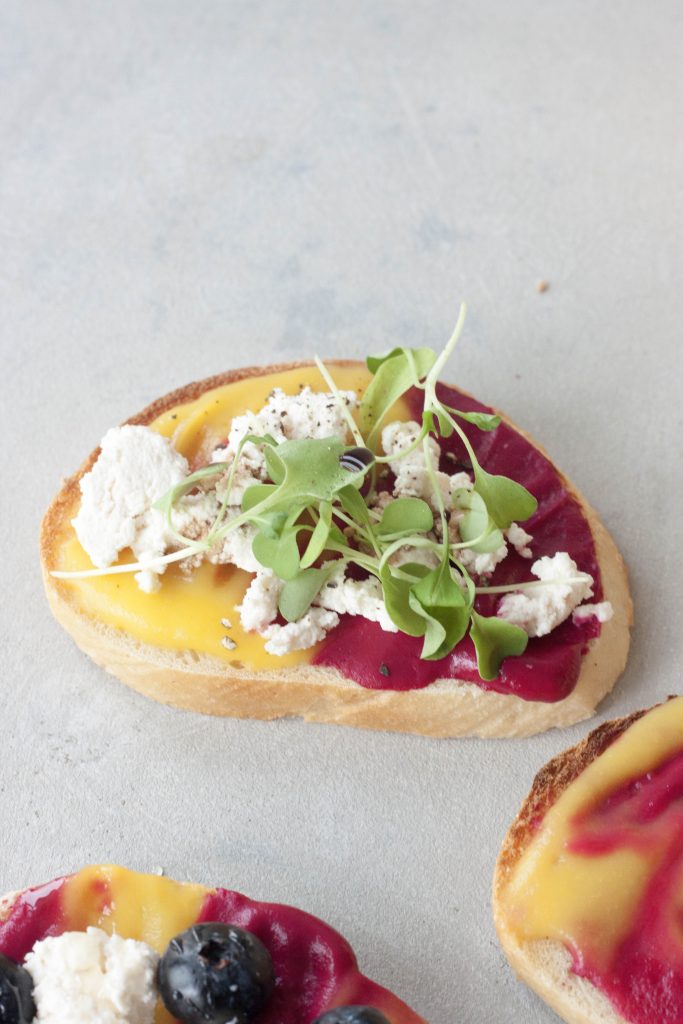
[
  {"x": 395, "y": 374},
  {"x": 424, "y": 359},
  {"x": 396, "y": 597},
  {"x": 506, "y": 500},
  {"x": 476, "y": 528},
  {"x": 312, "y": 470},
  {"x": 301, "y": 590},
  {"x": 352, "y": 502},
  {"x": 482, "y": 420},
  {"x": 255, "y": 494},
  {"x": 270, "y": 524},
  {"x": 318, "y": 539},
  {"x": 495, "y": 639},
  {"x": 404, "y": 516},
  {"x": 274, "y": 466},
  {"x": 446, "y": 610},
  {"x": 281, "y": 554}
]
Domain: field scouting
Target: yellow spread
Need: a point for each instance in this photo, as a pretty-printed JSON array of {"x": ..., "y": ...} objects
[
  {"x": 589, "y": 900},
  {"x": 144, "y": 907},
  {"x": 186, "y": 613}
]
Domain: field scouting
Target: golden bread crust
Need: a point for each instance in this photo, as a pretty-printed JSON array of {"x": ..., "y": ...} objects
[{"x": 320, "y": 694}]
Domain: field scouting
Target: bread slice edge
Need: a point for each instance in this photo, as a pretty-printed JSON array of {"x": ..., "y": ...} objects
[{"x": 545, "y": 965}]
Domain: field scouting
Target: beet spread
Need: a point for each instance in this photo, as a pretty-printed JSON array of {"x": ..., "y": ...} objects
[
  {"x": 549, "y": 668},
  {"x": 644, "y": 980},
  {"x": 315, "y": 968}
]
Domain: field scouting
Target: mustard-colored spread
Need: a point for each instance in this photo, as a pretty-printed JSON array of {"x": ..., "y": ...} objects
[
  {"x": 148, "y": 908},
  {"x": 583, "y": 878},
  {"x": 186, "y": 613}
]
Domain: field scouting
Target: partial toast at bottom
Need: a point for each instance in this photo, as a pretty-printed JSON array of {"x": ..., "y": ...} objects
[{"x": 545, "y": 965}]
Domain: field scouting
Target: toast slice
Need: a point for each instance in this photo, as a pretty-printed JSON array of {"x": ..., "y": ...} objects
[
  {"x": 315, "y": 969},
  {"x": 198, "y": 681},
  {"x": 568, "y": 973}
]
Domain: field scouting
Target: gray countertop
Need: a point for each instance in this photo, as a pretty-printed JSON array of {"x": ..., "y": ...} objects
[{"x": 189, "y": 187}]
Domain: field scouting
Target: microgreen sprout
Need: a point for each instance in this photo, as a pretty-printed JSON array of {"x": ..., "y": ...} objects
[{"x": 313, "y": 515}]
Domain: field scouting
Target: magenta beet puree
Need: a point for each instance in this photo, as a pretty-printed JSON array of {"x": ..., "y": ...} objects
[
  {"x": 549, "y": 668},
  {"x": 644, "y": 981},
  {"x": 315, "y": 968}
]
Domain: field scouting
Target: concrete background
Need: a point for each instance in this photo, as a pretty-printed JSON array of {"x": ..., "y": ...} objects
[{"x": 188, "y": 187}]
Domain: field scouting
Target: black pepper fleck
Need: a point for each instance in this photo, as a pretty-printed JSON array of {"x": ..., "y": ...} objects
[{"x": 384, "y": 670}]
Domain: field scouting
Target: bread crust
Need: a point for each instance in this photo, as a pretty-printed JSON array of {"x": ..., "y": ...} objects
[
  {"x": 545, "y": 964},
  {"x": 446, "y": 708}
]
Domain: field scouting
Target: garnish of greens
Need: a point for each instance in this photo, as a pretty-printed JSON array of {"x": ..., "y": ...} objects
[{"x": 316, "y": 515}]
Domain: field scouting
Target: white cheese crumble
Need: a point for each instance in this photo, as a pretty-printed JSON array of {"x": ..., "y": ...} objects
[
  {"x": 603, "y": 612},
  {"x": 305, "y": 632},
  {"x": 135, "y": 467},
  {"x": 519, "y": 539},
  {"x": 356, "y": 597},
  {"x": 235, "y": 549},
  {"x": 308, "y": 414},
  {"x": 93, "y": 978},
  {"x": 412, "y": 479},
  {"x": 259, "y": 604},
  {"x": 543, "y": 606},
  {"x": 480, "y": 563}
]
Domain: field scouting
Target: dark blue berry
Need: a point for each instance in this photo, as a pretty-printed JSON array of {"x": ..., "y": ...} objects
[
  {"x": 356, "y": 459},
  {"x": 213, "y": 973},
  {"x": 352, "y": 1015},
  {"x": 16, "y": 993}
]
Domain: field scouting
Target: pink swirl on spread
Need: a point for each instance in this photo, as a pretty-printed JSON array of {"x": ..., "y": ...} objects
[
  {"x": 549, "y": 668},
  {"x": 644, "y": 979}
]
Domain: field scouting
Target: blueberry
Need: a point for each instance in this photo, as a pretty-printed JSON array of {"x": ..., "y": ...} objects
[
  {"x": 356, "y": 459},
  {"x": 215, "y": 973},
  {"x": 16, "y": 993},
  {"x": 352, "y": 1015}
]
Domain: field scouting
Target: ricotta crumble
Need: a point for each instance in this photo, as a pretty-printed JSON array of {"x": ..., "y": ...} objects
[{"x": 93, "y": 978}]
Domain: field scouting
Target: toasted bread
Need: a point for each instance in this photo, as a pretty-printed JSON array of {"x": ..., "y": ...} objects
[
  {"x": 448, "y": 707},
  {"x": 544, "y": 964}
]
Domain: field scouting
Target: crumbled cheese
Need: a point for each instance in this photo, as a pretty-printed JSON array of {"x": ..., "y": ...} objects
[
  {"x": 259, "y": 604},
  {"x": 148, "y": 581},
  {"x": 603, "y": 612},
  {"x": 235, "y": 548},
  {"x": 135, "y": 467},
  {"x": 461, "y": 482},
  {"x": 194, "y": 515},
  {"x": 249, "y": 471},
  {"x": 543, "y": 606},
  {"x": 356, "y": 597},
  {"x": 410, "y": 471},
  {"x": 481, "y": 563},
  {"x": 520, "y": 540},
  {"x": 308, "y": 414},
  {"x": 93, "y": 977},
  {"x": 305, "y": 632}
]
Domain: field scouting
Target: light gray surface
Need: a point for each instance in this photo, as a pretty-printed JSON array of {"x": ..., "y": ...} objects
[{"x": 188, "y": 187}]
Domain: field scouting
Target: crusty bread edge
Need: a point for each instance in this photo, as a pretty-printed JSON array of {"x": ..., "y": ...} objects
[
  {"x": 545, "y": 965},
  {"x": 447, "y": 708}
]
